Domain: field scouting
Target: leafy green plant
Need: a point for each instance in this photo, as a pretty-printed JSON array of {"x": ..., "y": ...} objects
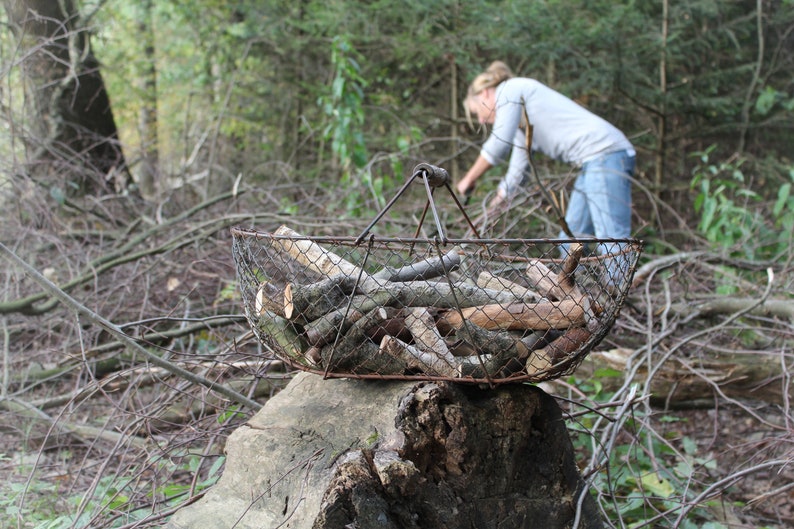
[
  {"x": 173, "y": 491},
  {"x": 644, "y": 479},
  {"x": 723, "y": 202},
  {"x": 735, "y": 217},
  {"x": 37, "y": 507},
  {"x": 344, "y": 109},
  {"x": 119, "y": 500}
]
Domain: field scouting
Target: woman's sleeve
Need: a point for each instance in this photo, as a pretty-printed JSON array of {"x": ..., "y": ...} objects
[
  {"x": 508, "y": 119},
  {"x": 517, "y": 174}
]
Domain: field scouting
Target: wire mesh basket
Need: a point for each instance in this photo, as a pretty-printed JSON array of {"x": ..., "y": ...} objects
[{"x": 467, "y": 310}]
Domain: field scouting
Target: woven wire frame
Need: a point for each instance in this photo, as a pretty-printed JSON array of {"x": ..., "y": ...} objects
[{"x": 471, "y": 310}]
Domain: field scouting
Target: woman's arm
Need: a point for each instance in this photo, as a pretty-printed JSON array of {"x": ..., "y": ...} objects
[
  {"x": 466, "y": 184},
  {"x": 517, "y": 175}
]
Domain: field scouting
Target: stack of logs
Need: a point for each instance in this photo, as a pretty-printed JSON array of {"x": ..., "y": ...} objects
[{"x": 418, "y": 320}]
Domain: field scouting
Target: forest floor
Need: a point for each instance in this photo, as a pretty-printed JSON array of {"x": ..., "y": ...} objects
[{"x": 92, "y": 434}]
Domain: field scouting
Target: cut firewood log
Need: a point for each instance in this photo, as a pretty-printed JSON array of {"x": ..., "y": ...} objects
[
  {"x": 269, "y": 297},
  {"x": 542, "y": 279},
  {"x": 422, "y": 326},
  {"x": 476, "y": 366},
  {"x": 318, "y": 259},
  {"x": 365, "y": 359},
  {"x": 426, "y": 269},
  {"x": 309, "y": 302},
  {"x": 570, "y": 341},
  {"x": 506, "y": 352},
  {"x": 460, "y": 348},
  {"x": 538, "y": 364},
  {"x": 360, "y": 331},
  {"x": 283, "y": 332},
  {"x": 561, "y": 285},
  {"x": 326, "y": 263},
  {"x": 312, "y": 255},
  {"x": 417, "y": 360},
  {"x": 551, "y": 358},
  {"x": 517, "y": 316},
  {"x": 565, "y": 278},
  {"x": 324, "y": 330},
  {"x": 490, "y": 281},
  {"x": 440, "y": 294},
  {"x": 314, "y": 356},
  {"x": 393, "y": 324}
]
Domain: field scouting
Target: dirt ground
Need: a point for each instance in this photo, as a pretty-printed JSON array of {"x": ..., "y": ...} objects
[{"x": 92, "y": 435}]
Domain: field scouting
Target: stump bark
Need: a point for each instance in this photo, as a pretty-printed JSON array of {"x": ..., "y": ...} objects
[{"x": 338, "y": 453}]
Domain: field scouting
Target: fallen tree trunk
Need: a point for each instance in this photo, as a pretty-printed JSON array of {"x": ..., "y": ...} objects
[
  {"x": 711, "y": 375},
  {"x": 777, "y": 308}
]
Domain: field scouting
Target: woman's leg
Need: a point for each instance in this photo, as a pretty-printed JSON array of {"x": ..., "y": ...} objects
[
  {"x": 607, "y": 186},
  {"x": 577, "y": 213}
]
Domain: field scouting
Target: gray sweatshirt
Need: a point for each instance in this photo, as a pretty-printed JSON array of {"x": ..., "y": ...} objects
[{"x": 562, "y": 130}]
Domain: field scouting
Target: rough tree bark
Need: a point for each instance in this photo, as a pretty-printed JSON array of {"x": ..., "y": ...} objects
[
  {"x": 73, "y": 135},
  {"x": 328, "y": 454}
]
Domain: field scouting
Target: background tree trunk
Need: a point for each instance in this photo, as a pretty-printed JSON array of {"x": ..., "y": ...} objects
[
  {"x": 73, "y": 136},
  {"x": 147, "y": 117}
]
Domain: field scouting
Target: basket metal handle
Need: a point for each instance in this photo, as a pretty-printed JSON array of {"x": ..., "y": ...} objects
[{"x": 432, "y": 176}]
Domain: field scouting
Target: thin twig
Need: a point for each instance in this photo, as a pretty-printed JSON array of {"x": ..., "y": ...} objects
[{"x": 114, "y": 330}]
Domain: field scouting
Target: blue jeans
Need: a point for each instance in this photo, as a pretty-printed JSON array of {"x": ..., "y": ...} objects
[{"x": 600, "y": 203}]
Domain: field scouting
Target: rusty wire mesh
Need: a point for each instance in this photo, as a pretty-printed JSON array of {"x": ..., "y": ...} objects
[{"x": 468, "y": 310}]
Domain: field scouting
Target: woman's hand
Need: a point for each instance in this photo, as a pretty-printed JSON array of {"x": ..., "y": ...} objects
[
  {"x": 465, "y": 187},
  {"x": 466, "y": 184}
]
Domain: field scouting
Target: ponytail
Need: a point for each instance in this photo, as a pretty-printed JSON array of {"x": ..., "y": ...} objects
[{"x": 496, "y": 72}]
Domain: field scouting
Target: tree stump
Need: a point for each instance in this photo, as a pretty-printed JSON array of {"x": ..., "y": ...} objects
[{"x": 342, "y": 453}]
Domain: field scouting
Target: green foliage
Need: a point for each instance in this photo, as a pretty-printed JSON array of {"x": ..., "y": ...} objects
[
  {"x": 251, "y": 74},
  {"x": 117, "y": 499},
  {"x": 769, "y": 98},
  {"x": 736, "y": 218},
  {"x": 171, "y": 493},
  {"x": 645, "y": 478},
  {"x": 343, "y": 106},
  {"x": 38, "y": 508}
]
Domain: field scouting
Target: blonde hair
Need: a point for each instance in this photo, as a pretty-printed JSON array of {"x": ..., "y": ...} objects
[{"x": 493, "y": 76}]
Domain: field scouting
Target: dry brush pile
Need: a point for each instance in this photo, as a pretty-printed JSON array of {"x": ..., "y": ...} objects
[{"x": 117, "y": 395}]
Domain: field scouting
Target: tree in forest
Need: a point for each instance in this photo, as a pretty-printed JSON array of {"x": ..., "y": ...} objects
[
  {"x": 147, "y": 116},
  {"x": 71, "y": 139}
]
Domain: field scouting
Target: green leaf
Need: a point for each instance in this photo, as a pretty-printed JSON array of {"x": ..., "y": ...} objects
[
  {"x": 689, "y": 445},
  {"x": 782, "y": 198},
  {"x": 655, "y": 484},
  {"x": 58, "y": 195},
  {"x": 607, "y": 372},
  {"x": 766, "y": 100}
]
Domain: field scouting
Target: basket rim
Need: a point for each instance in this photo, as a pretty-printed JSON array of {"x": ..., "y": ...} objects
[{"x": 372, "y": 238}]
